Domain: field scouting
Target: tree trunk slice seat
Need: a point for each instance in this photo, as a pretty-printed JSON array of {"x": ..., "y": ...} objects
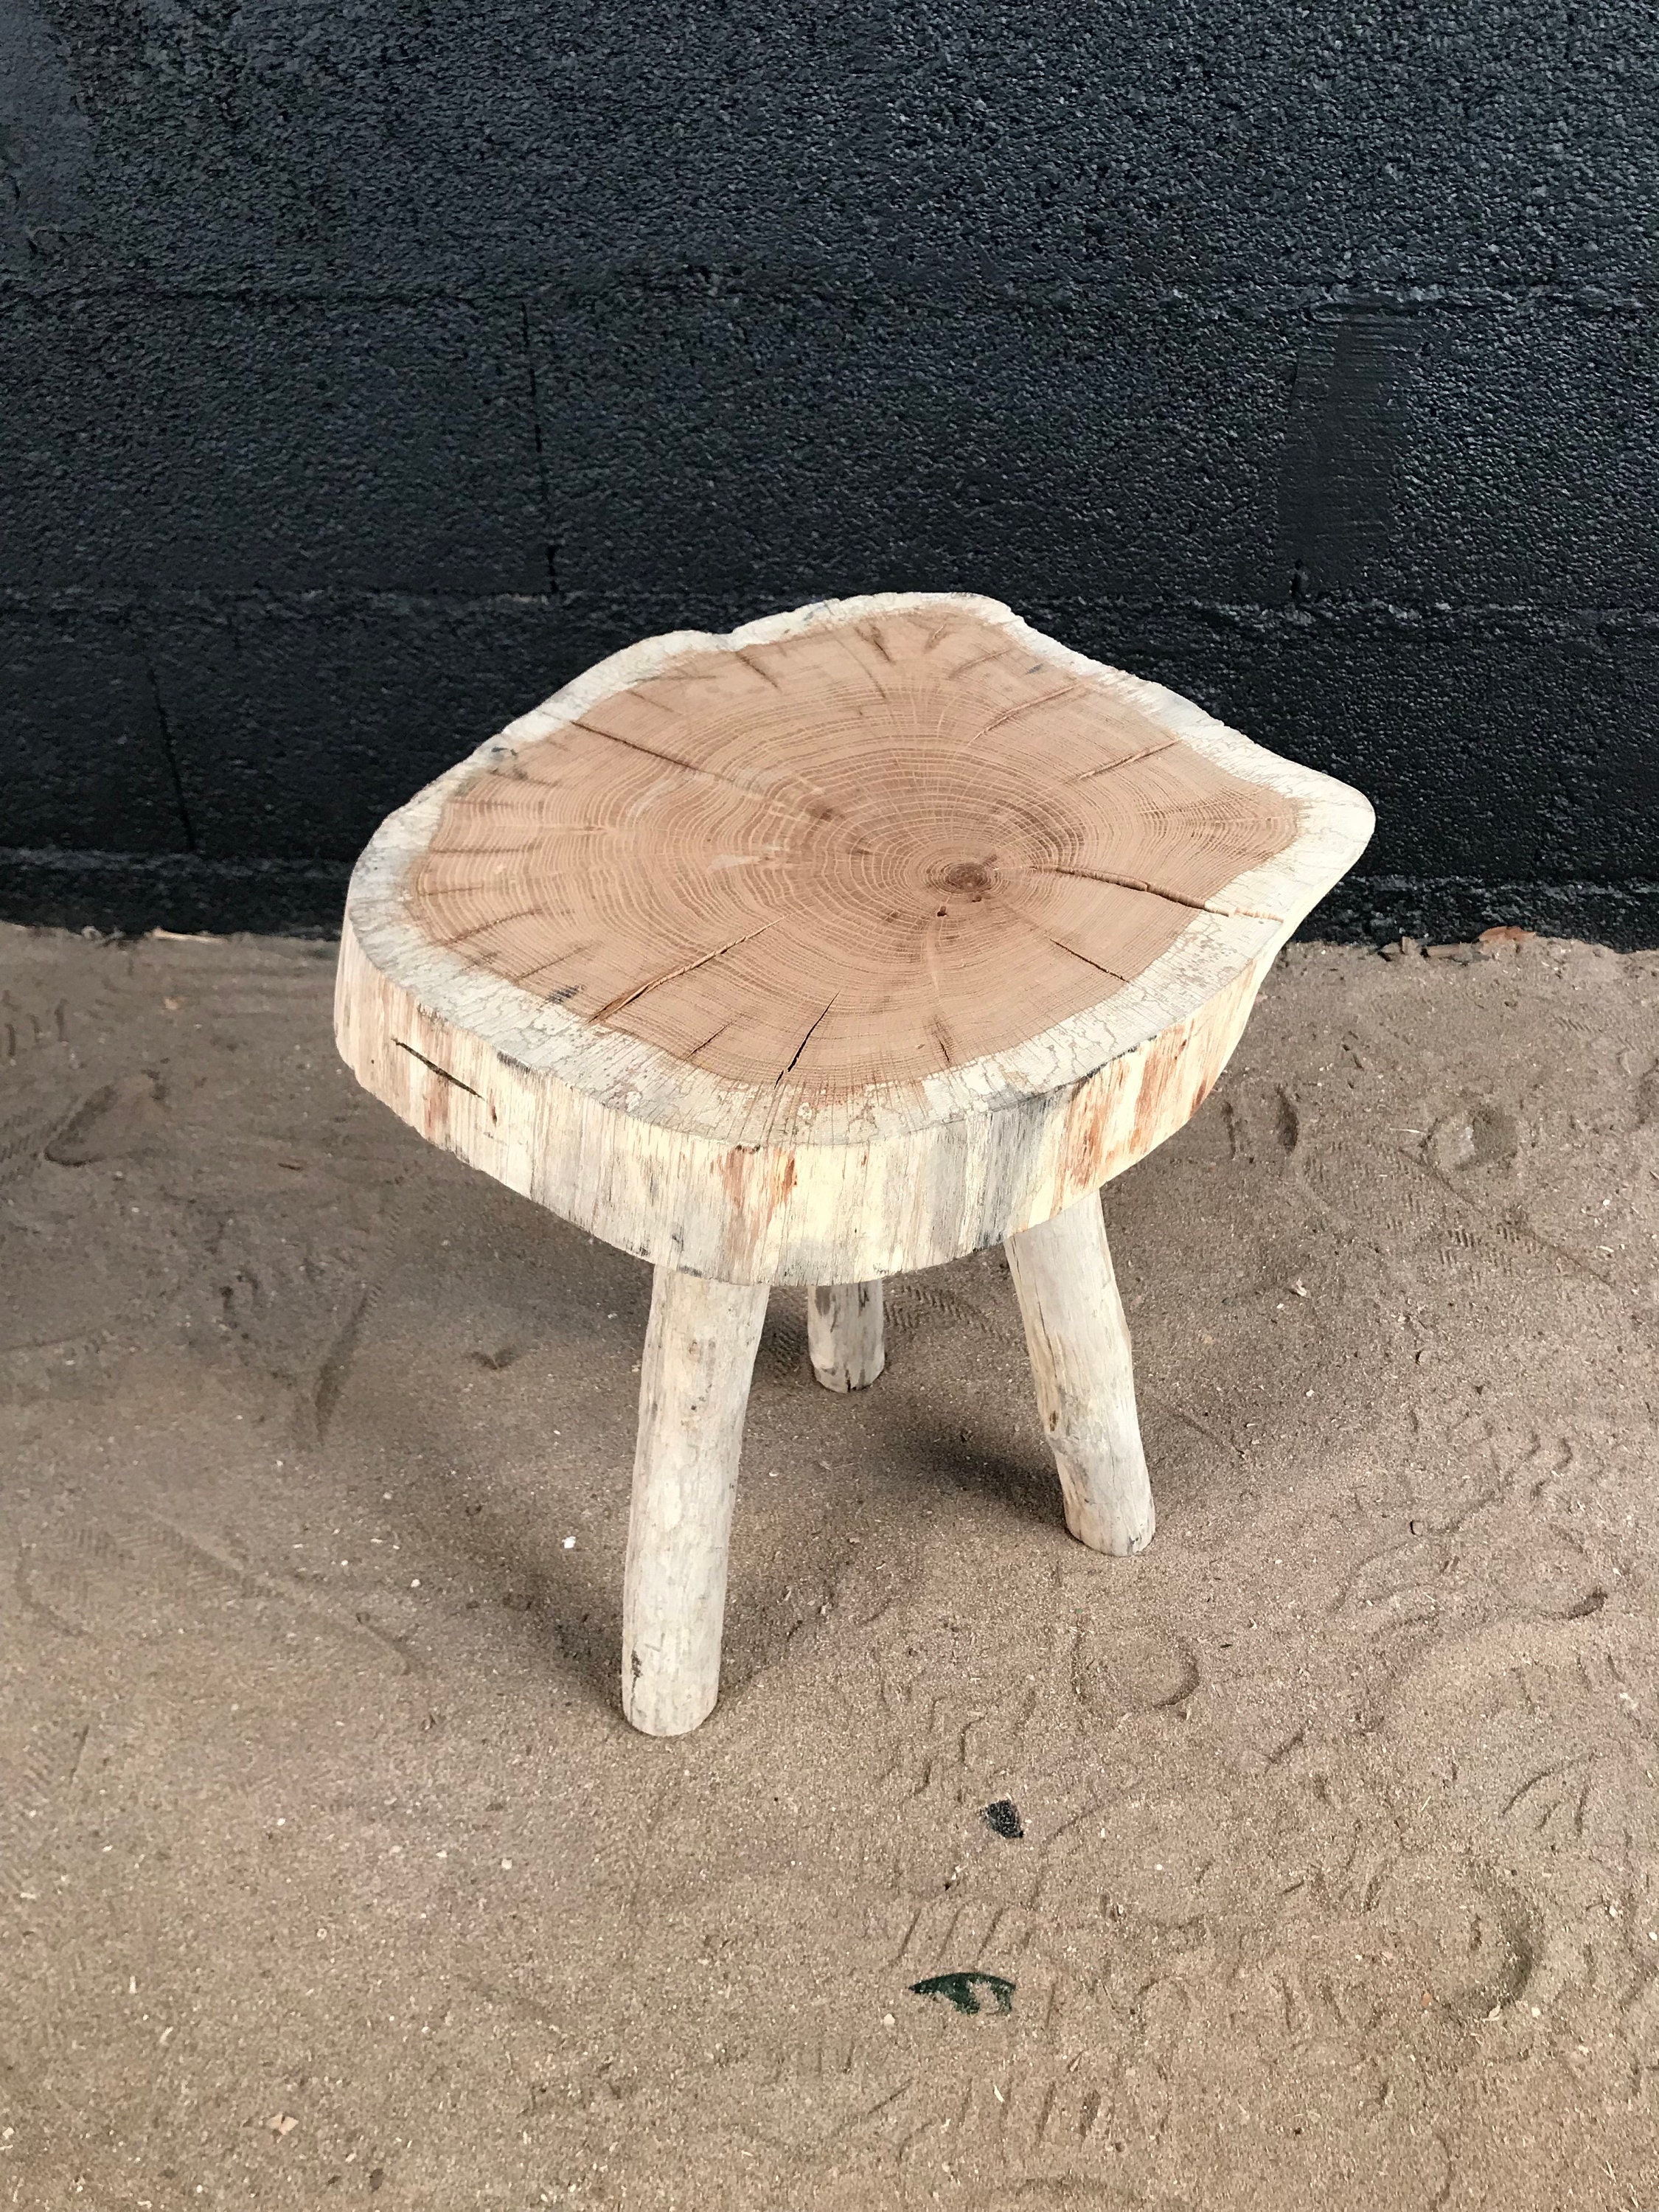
[{"x": 855, "y": 940}]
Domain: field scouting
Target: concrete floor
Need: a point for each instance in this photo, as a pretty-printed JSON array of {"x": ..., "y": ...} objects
[{"x": 329, "y": 1872}]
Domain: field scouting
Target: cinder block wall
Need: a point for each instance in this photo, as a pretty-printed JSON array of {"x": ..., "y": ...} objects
[{"x": 366, "y": 370}]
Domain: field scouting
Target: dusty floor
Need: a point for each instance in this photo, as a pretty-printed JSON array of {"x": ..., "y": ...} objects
[{"x": 328, "y": 1869}]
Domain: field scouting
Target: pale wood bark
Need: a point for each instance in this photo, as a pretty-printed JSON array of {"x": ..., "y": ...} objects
[
  {"x": 694, "y": 1389},
  {"x": 1078, "y": 1340},
  {"x": 844, "y": 1334}
]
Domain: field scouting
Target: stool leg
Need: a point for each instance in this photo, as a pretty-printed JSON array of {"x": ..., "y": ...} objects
[
  {"x": 843, "y": 1334},
  {"x": 1079, "y": 1345},
  {"x": 694, "y": 1389}
]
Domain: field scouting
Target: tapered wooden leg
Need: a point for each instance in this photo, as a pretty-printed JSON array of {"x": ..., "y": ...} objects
[
  {"x": 694, "y": 1388},
  {"x": 1079, "y": 1345},
  {"x": 843, "y": 1334}
]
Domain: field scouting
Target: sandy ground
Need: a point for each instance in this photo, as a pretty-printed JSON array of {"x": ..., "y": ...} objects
[{"x": 329, "y": 1870}]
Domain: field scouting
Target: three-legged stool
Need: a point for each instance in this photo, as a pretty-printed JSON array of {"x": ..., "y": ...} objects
[{"x": 843, "y": 945}]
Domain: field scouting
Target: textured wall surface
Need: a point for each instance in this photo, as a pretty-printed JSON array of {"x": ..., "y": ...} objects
[{"x": 370, "y": 369}]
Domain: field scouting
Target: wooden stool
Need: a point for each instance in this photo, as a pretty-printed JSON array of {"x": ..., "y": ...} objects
[{"x": 844, "y": 945}]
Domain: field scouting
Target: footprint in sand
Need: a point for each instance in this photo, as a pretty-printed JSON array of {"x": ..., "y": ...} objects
[
  {"x": 139, "y": 1582},
  {"x": 123, "y": 1117},
  {"x": 1134, "y": 1670},
  {"x": 783, "y": 1344},
  {"x": 1476, "y": 1134}
]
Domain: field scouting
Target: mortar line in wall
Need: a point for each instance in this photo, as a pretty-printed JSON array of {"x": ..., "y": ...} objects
[
  {"x": 1062, "y": 290},
  {"x": 120, "y": 604},
  {"x": 541, "y": 456},
  {"x": 1071, "y": 289},
  {"x": 71, "y": 858}
]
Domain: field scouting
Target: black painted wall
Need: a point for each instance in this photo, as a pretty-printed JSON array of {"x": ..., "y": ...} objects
[{"x": 367, "y": 369}]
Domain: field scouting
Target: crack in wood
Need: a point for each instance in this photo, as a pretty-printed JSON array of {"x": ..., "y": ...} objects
[
  {"x": 675, "y": 760},
  {"x": 1061, "y": 945},
  {"x": 980, "y": 661},
  {"x": 501, "y": 921},
  {"x": 626, "y": 999},
  {"x": 436, "y": 1070},
  {"x": 710, "y": 1038},
  {"x": 1127, "y": 760},
  {"x": 1004, "y": 716},
  {"x": 805, "y": 1041},
  {"x": 764, "y": 674},
  {"x": 1047, "y": 936},
  {"x": 1156, "y": 891}
]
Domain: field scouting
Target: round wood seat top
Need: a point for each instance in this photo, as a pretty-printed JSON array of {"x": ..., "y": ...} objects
[
  {"x": 847, "y": 878},
  {"x": 857, "y": 854}
]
